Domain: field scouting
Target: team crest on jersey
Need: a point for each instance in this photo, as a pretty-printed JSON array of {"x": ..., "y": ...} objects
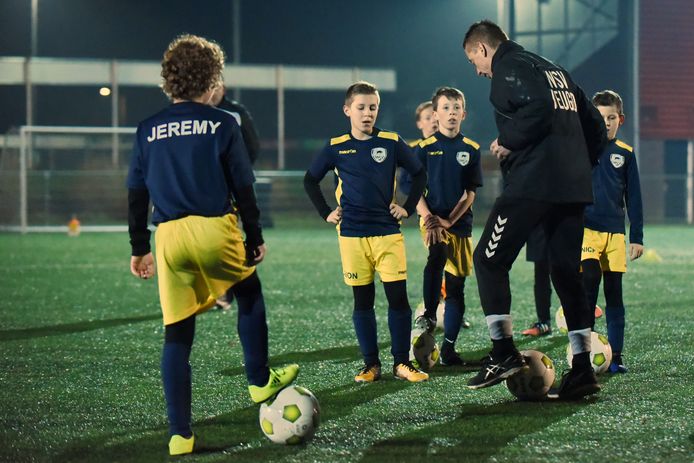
[
  {"x": 617, "y": 160},
  {"x": 379, "y": 154},
  {"x": 463, "y": 158}
]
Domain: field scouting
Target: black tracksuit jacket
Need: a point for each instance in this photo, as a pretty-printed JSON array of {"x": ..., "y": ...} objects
[{"x": 554, "y": 132}]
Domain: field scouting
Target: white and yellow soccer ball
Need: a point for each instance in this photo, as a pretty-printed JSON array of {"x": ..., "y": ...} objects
[
  {"x": 424, "y": 353},
  {"x": 560, "y": 319},
  {"x": 600, "y": 353},
  {"x": 291, "y": 417},
  {"x": 533, "y": 381}
]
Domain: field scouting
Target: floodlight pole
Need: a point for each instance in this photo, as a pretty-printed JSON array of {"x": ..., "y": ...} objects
[
  {"x": 115, "y": 148},
  {"x": 636, "y": 69},
  {"x": 236, "y": 40},
  {"x": 280, "y": 118},
  {"x": 32, "y": 52}
]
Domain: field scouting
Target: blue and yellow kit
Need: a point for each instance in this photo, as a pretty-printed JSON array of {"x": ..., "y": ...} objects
[
  {"x": 414, "y": 143},
  {"x": 189, "y": 156},
  {"x": 453, "y": 167},
  {"x": 190, "y": 159},
  {"x": 616, "y": 185},
  {"x": 365, "y": 172}
]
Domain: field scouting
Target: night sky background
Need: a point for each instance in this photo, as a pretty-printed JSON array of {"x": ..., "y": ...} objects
[{"x": 421, "y": 40}]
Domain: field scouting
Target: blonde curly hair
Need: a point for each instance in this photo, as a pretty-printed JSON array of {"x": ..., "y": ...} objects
[{"x": 191, "y": 66}]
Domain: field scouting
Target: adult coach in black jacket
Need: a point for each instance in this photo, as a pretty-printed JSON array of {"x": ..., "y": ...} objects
[
  {"x": 243, "y": 117},
  {"x": 549, "y": 135}
]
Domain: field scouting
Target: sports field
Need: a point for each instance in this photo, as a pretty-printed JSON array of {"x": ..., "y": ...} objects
[{"x": 81, "y": 338}]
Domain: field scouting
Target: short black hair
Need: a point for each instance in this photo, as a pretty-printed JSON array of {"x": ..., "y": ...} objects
[
  {"x": 485, "y": 31},
  {"x": 449, "y": 92},
  {"x": 609, "y": 98}
]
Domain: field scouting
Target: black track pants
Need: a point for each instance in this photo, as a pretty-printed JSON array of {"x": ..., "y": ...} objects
[{"x": 509, "y": 224}]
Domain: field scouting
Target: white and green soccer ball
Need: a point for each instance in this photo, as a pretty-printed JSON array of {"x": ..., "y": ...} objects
[
  {"x": 600, "y": 353},
  {"x": 560, "y": 319},
  {"x": 291, "y": 417},
  {"x": 533, "y": 381},
  {"x": 424, "y": 353}
]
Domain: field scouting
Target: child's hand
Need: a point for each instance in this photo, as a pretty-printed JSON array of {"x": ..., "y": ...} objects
[
  {"x": 432, "y": 221},
  {"x": 335, "y": 217},
  {"x": 635, "y": 251},
  {"x": 254, "y": 256},
  {"x": 143, "y": 266},
  {"x": 434, "y": 236},
  {"x": 398, "y": 211}
]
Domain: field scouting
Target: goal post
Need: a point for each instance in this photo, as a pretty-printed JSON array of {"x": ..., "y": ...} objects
[
  {"x": 64, "y": 155},
  {"x": 50, "y": 173}
]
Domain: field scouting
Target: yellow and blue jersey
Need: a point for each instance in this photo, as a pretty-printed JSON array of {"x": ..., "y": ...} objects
[
  {"x": 414, "y": 143},
  {"x": 365, "y": 172},
  {"x": 190, "y": 157},
  {"x": 453, "y": 167},
  {"x": 616, "y": 185}
]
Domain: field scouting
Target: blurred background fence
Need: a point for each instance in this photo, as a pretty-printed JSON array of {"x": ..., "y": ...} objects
[{"x": 81, "y": 171}]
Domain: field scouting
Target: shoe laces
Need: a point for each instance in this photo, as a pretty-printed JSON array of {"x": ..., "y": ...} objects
[
  {"x": 410, "y": 367},
  {"x": 368, "y": 368}
]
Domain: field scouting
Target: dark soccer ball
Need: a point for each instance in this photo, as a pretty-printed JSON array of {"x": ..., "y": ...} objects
[
  {"x": 424, "y": 353},
  {"x": 534, "y": 380}
]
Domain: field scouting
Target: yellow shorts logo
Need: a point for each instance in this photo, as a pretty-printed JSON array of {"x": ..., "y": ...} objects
[
  {"x": 351, "y": 275},
  {"x": 587, "y": 249}
]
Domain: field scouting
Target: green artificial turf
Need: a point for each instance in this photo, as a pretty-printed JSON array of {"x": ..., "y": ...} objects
[{"x": 80, "y": 343}]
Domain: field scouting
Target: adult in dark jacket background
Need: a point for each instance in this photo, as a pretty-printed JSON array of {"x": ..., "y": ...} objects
[
  {"x": 549, "y": 135},
  {"x": 252, "y": 143},
  {"x": 243, "y": 117}
]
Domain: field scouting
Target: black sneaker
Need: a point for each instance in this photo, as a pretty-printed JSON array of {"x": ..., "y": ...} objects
[
  {"x": 494, "y": 371},
  {"x": 575, "y": 384},
  {"x": 449, "y": 357}
]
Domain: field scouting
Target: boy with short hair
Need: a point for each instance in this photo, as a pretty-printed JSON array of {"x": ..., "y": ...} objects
[
  {"x": 190, "y": 160},
  {"x": 452, "y": 162},
  {"x": 425, "y": 121},
  {"x": 615, "y": 185},
  {"x": 365, "y": 160}
]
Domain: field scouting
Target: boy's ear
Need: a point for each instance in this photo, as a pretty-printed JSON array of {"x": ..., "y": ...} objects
[
  {"x": 345, "y": 109},
  {"x": 621, "y": 119},
  {"x": 464, "y": 115}
]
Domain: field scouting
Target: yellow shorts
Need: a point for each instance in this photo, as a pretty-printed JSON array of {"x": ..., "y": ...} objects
[
  {"x": 198, "y": 259},
  {"x": 361, "y": 257},
  {"x": 459, "y": 250},
  {"x": 609, "y": 248}
]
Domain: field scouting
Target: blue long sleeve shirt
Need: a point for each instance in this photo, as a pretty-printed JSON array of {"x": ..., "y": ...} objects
[{"x": 616, "y": 190}]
